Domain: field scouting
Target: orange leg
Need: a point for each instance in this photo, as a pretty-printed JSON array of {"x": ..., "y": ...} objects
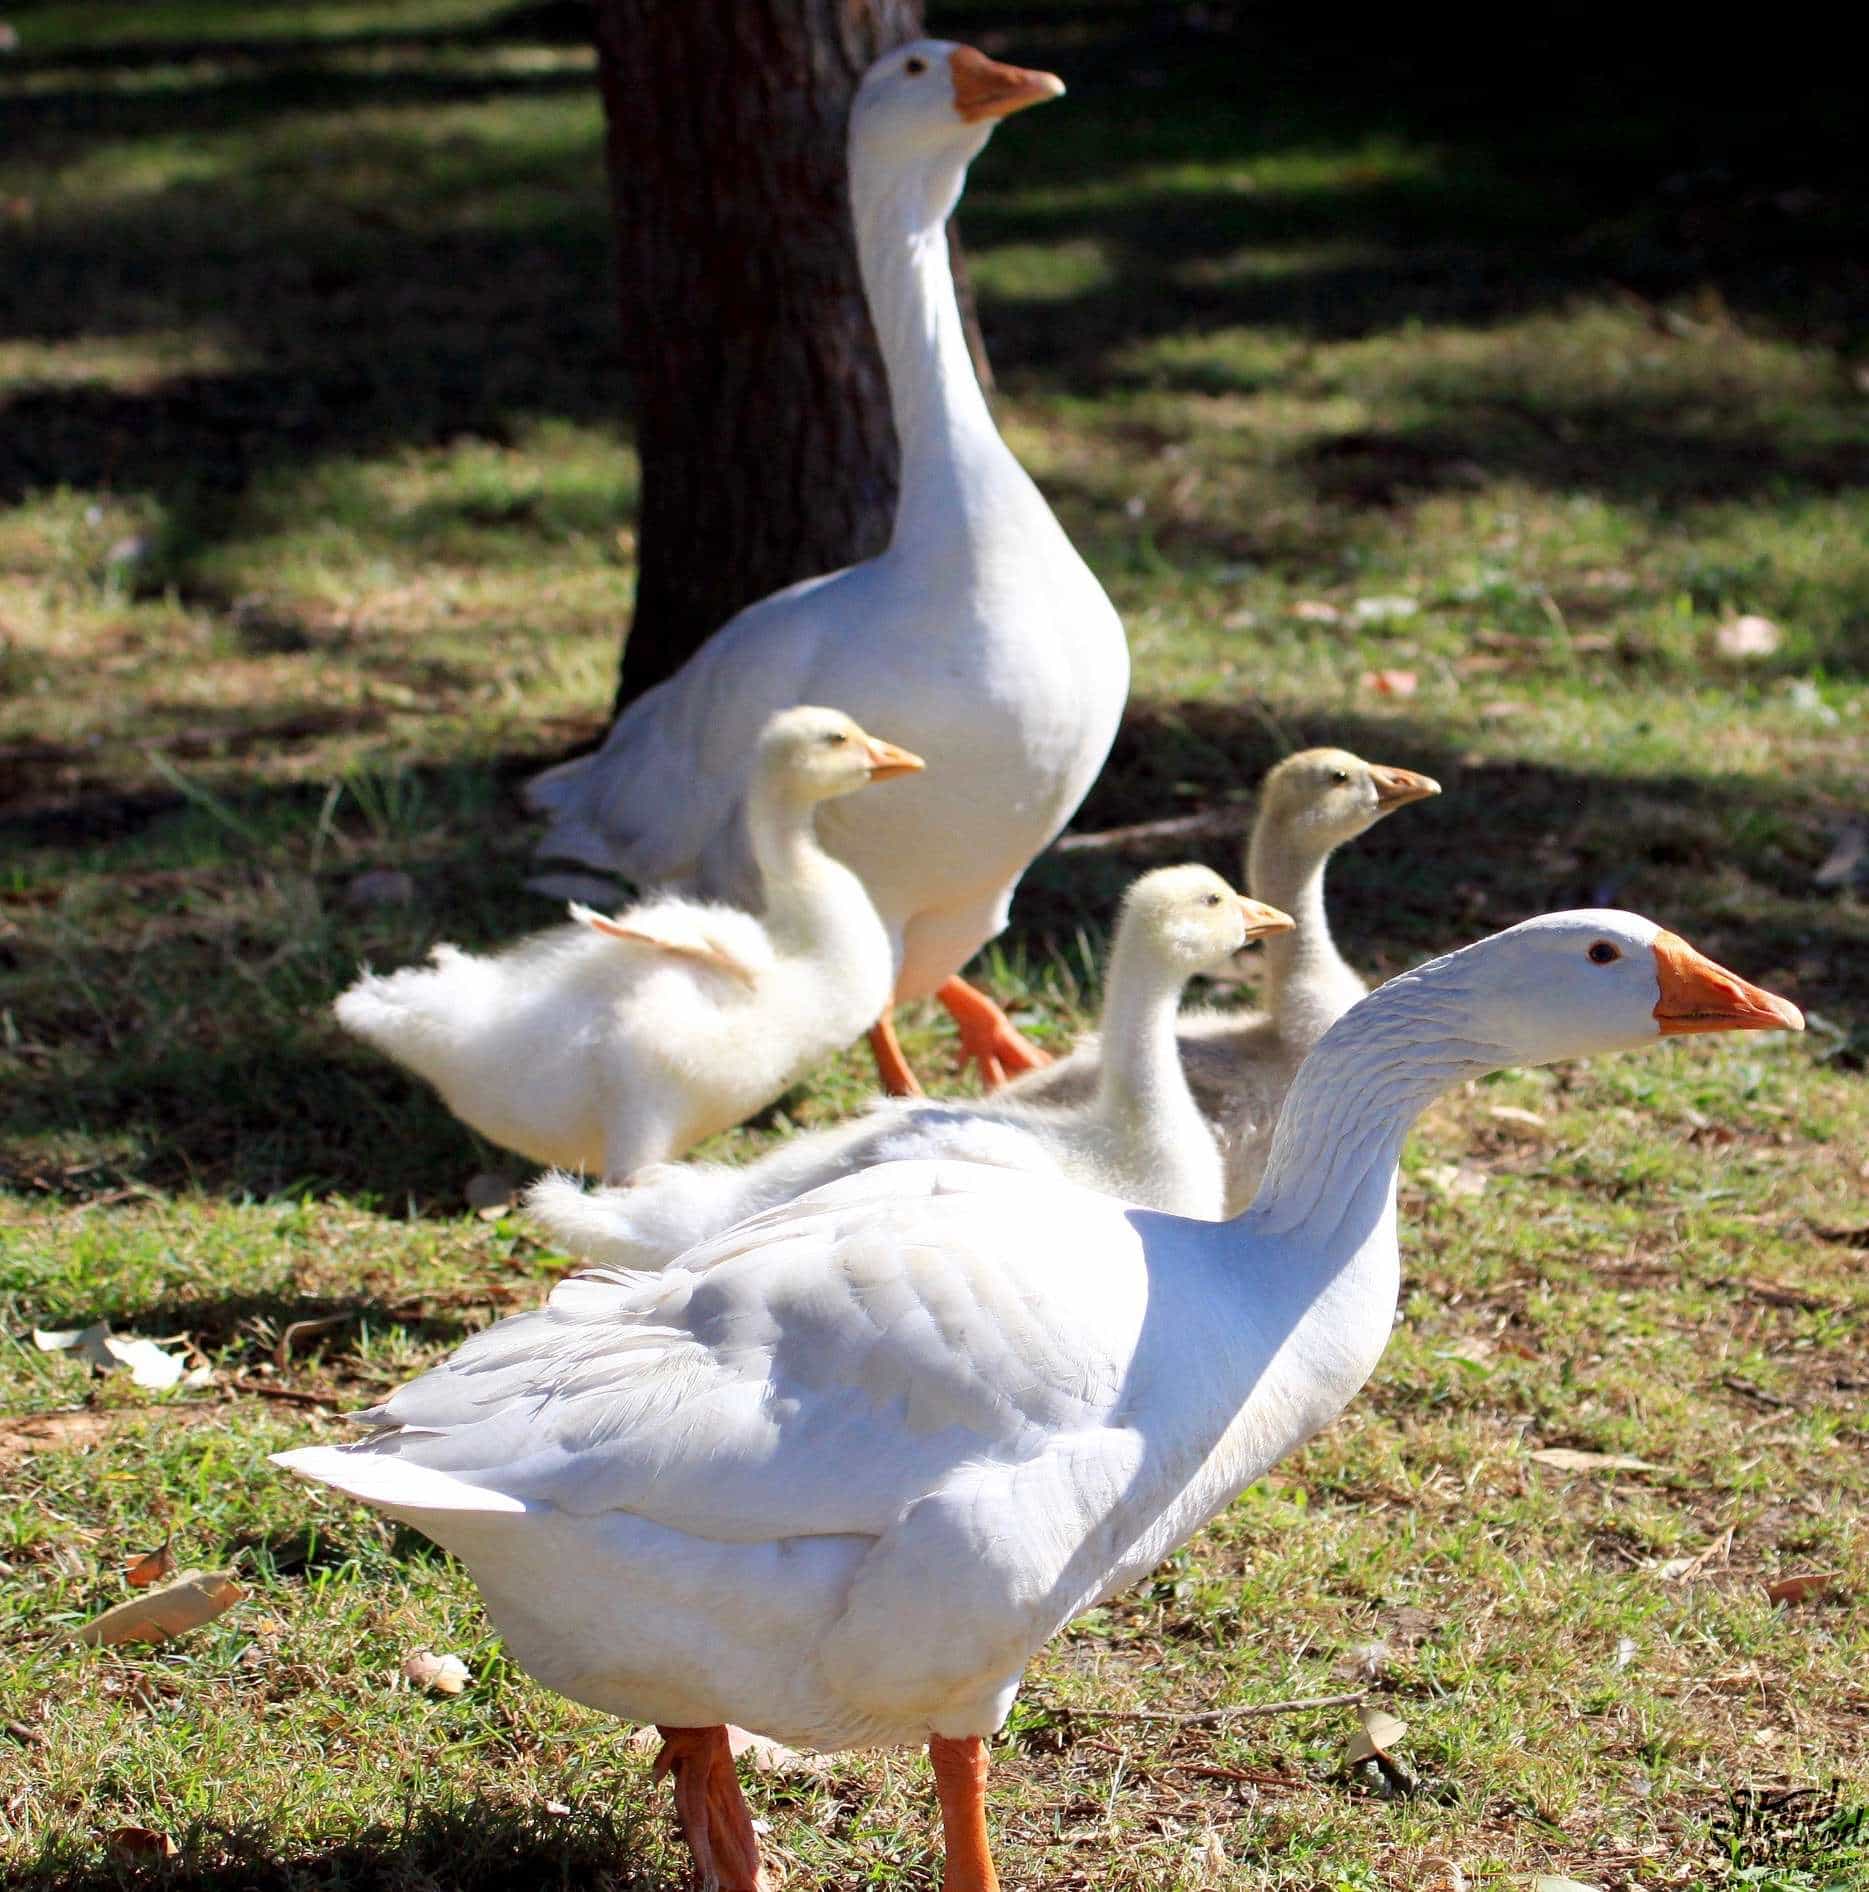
[
  {"x": 987, "y": 1035},
  {"x": 960, "y": 1783},
  {"x": 713, "y": 1815},
  {"x": 891, "y": 1066}
]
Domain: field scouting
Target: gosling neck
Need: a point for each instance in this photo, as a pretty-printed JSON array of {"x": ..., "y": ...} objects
[
  {"x": 951, "y": 453},
  {"x": 1286, "y": 869},
  {"x": 799, "y": 880},
  {"x": 1140, "y": 1077}
]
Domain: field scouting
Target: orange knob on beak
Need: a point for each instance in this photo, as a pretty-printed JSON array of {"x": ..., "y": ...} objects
[
  {"x": 1262, "y": 919},
  {"x": 1697, "y": 995},
  {"x": 985, "y": 89},
  {"x": 1396, "y": 786},
  {"x": 887, "y": 761}
]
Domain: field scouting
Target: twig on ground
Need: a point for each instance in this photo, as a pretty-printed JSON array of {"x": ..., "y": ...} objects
[
  {"x": 289, "y": 1394},
  {"x": 1209, "y": 1717}
]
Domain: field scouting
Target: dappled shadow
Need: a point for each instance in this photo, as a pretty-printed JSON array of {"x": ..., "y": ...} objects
[
  {"x": 156, "y": 1056},
  {"x": 467, "y": 1846}
]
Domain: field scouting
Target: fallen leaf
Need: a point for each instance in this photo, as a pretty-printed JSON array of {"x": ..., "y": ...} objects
[
  {"x": 1848, "y": 861},
  {"x": 141, "y": 1842},
  {"x": 1315, "y": 611},
  {"x": 149, "y": 1365},
  {"x": 1213, "y": 1857},
  {"x": 1455, "y": 1179},
  {"x": 1385, "y": 610},
  {"x": 1676, "y": 1568},
  {"x": 1525, "y": 1123},
  {"x": 1390, "y": 682},
  {"x": 1748, "y": 636},
  {"x": 1502, "y": 711},
  {"x": 1802, "y": 1588},
  {"x": 86, "y": 1342},
  {"x": 1625, "y": 1651},
  {"x": 1380, "y": 1734},
  {"x": 557, "y": 1809},
  {"x": 150, "y": 1568},
  {"x": 1562, "y": 1458},
  {"x": 1556, "y": 1882},
  {"x": 439, "y": 1674},
  {"x": 194, "y": 1598}
]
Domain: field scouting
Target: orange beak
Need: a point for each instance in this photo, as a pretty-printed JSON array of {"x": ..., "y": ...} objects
[
  {"x": 887, "y": 761},
  {"x": 985, "y": 89},
  {"x": 1396, "y": 786},
  {"x": 1697, "y": 995},
  {"x": 1262, "y": 919}
]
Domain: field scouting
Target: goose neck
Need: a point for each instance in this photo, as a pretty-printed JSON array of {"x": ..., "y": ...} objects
[{"x": 944, "y": 430}]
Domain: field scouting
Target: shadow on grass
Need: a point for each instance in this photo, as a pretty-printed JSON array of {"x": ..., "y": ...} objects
[
  {"x": 201, "y": 1057},
  {"x": 466, "y": 1847}
]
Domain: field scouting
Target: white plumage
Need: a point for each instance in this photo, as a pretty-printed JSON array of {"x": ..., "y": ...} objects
[
  {"x": 1139, "y": 1134},
  {"x": 1239, "y": 1065},
  {"x": 837, "y": 1474},
  {"x": 612, "y": 1043},
  {"x": 979, "y": 637}
]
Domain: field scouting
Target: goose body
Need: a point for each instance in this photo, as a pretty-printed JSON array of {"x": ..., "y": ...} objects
[
  {"x": 1139, "y": 1136},
  {"x": 979, "y": 637},
  {"x": 1239, "y": 1065},
  {"x": 838, "y": 1473},
  {"x": 616, "y": 1042}
]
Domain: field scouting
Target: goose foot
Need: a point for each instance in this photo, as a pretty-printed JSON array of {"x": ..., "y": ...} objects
[
  {"x": 892, "y": 1068},
  {"x": 987, "y": 1036},
  {"x": 960, "y": 1785},
  {"x": 712, "y": 1812}
]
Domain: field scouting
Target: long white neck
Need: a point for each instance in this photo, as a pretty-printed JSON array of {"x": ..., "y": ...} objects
[
  {"x": 1141, "y": 1080},
  {"x": 806, "y": 889},
  {"x": 952, "y": 456},
  {"x": 1285, "y": 870}
]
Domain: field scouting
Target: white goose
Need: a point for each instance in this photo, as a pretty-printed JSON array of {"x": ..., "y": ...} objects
[
  {"x": 979, "y": 637},
  {"x": 1139, "y": 1136},
  {"x": 839, "y": 1473},
  {"x": 1239, "y": 1065},
  {"x": 612, "y": 1043}
]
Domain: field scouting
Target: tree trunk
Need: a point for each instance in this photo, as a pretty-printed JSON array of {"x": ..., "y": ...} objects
[{"x": 761, "y": 411}]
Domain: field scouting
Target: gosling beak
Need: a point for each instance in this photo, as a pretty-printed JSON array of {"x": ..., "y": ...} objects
[
  {"x": 1396, "y": 786},
  {"x": 887, "y": 761},
  {"x": 1697, "y": 995},
  {"x": 984, "y": 89},
  {"x": 1262, "y": 919}
]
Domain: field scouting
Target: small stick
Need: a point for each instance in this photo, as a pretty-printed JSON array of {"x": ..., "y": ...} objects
[
  {"x": 287, "y": 1393},
  {"x": 283, "y": 1351},
  {"x": 1212, "y": 1716}
]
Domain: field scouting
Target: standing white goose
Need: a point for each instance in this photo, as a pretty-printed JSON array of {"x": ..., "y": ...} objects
[
  {"x": 1239, "y": 1065},
  {"x": 612, "y": 1043},
  {"x": 1139, "y": 1136},
  {"x": 979, "y": 637},
  {"x": 838, "y": 1474}
]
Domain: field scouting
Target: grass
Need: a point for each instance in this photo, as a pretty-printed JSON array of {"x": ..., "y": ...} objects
[{"x": 1339, "y": 356}]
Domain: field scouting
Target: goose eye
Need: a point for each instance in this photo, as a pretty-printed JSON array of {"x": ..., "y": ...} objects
[
  {"x": 1602, "y": 953},
  {"x": 1340, "y": 775},
  {"x": 915, "y": 67}
]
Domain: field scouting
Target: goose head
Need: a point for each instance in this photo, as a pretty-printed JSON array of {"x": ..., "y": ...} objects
[
  {"x": 930, "y": 106},
  {"x": 1569, "y": 985},
  {"x": 1320, "y": 798},
  {"x": 813, "y": 754},
  {"x": 1190, "y": 919}
]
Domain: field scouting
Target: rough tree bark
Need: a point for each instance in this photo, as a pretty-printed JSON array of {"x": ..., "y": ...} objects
[{"x": 762, "y": 415}]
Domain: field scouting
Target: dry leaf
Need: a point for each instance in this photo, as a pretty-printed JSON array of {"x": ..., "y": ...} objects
[
  {"x": 1315, "y": 611},
  {"x": 150, "y": 1568},
  {"x": 1525, "y": 1123},
  {"x": 1562, "y": 1458},
  {"x": 194, "y": 1598},
  {"x": 1380, "y": 1734},
  {"x": 1384, "y": 610},
  {"x": 439, "y": 1674},
  {"x": 1676, "y": 1568},
  {"x": 1801, "y": 1589},
  {"x": 1625, "y": 1651},
  {"x": 1213, "y": 1857},
  {"x": 1455, "y": 1179},
  {"x": 1748, "y": 637},
  {"x": 100, "y": 1348},
  {"x": 141, "y": 1842},
  {"x": 1556, "y": 1882},
  {"x": 1390, "y": 682}
]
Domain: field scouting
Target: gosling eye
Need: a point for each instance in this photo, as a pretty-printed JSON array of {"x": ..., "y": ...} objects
[
  {"x": 1603, "y": 953},
  {"x": 915, "y": 67},
  {"x": 1340, "y": 775},
  {"x": 1213, "y": 900},
  {"x": 832, "y": 737}
]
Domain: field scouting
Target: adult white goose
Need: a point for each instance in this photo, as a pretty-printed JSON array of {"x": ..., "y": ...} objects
[
  {"x": 979, "y": 637},
  {"x": 612, "y": 1043},
  {"x": 1239, "y": 1065},
  {"x": 1139, "y": 1136},
  {"x": 839, "y": 1473}
]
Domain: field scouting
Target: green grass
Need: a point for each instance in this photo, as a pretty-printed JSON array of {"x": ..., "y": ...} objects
[{"x": 315, "y": 489}]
